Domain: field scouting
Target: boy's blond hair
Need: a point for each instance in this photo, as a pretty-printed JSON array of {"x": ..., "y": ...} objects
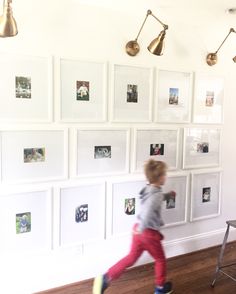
[{"x": 154, "y": 170}]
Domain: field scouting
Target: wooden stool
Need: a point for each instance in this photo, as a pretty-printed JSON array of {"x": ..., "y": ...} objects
[{"x": 220, "y": 267}]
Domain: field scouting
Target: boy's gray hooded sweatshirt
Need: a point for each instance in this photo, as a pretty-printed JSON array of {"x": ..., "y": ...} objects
[{"x": 150, "y": 210}]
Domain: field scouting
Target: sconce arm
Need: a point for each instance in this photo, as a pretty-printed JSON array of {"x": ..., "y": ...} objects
[
  {"x": 232, "y": 30},
  {"x": 149, "y": 12}
]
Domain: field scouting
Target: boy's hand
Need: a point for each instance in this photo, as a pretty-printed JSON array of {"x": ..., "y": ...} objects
[
  {"x": 136, "y": 231},
  {"x": 173, "y": 194}
]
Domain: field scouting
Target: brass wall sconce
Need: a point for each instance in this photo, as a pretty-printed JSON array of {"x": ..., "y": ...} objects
[
  {"x": 8, "y": 26},
  {"x": 212, "y": 58},
  {"x": 156, "y": 47}
]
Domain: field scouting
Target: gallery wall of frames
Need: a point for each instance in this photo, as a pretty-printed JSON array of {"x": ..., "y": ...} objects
[{"x": 84, "y": 162}]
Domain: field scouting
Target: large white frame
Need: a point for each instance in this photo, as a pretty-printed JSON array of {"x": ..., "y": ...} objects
[
  {"x": 76, "y": 194},
  {"x": 132, "y": 108},
  {"x": 131, "y": 186},
  {"x": 84, "y": 71},
  {"x": 201, "y": 205},
  {"x": 194, "y": 136},
  {"x": 16, "y": 148},
  {"x": 40, "y": 70},
  {"x": 208, "y": 114},
  {"x": 88, "y": 157},
  {"x": 139, "y": 167},
  {"x": 169, "y": 218},
  {"x": 183, "y": 81},
  {"x": 21, "y": 199}
]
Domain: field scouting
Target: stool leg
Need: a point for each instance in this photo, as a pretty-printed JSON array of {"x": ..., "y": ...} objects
[{"x": 221, "y": 256}]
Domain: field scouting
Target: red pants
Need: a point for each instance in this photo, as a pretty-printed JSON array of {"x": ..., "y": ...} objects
[{"x": 149, "y": 241}]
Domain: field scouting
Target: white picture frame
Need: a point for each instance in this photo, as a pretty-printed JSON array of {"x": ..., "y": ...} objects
[
  {"x": 27, "y": 214},
  {"x": 208, "y": 99},
  {"x": 175, "y": 211},
  {"x": 205, "y": 194},
  {"x": 78, "y": 78},
  {"x": 26, "y": 89},
  {"x": 119, "y": 191},
  {"x": 103, "y": 151},
  {"x": 75, "y": 229},
  {"x": 147, "y": 141},
  {"x": 132, "y": 93},
  {"x": 174, "y": 96},
  {"x": 202, "y": 148},
  {"x": 34, "y": 155}
]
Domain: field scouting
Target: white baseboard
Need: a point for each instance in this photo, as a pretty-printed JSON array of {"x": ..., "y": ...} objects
[{"x": 197, "y": 242}]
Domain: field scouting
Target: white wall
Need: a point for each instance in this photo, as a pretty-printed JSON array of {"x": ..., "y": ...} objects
[{"x": 99, "y": 32}]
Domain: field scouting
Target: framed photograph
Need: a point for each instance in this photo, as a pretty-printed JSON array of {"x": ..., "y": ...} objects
[
  {"x": 205, "y": 194},
  {"x": 159, "y": 144},
  {"x": 209, "y": 98},
  {"x": 83, "y": 91},
  {"x": 27, "y": 218},
  {"x": 174, "y": 210},
  {"x": 132, "y": 94},
  {"x": 26, "y": 88},
  {"x": 102, "y": 151},
  {"x": 123, "y": 205},
  {"x": 174, "y": 97},
  {"x": 82, "y": 213},
  {"x": 201, "y": 147},
  {"x": 34, "y": 155}
]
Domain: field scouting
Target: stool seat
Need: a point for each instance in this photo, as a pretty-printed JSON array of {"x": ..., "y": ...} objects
[{"x": 231, "y": 223}]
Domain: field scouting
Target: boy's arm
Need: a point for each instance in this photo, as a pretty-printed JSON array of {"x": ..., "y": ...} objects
[{"x": 169, "y": 195}]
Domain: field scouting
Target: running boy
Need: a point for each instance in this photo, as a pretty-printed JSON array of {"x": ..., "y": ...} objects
[{"x": 146, "y": 233}]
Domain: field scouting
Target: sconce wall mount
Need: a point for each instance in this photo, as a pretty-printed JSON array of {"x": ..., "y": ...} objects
[
  {"x": 156, "y": 47},
  {"x": 212, "y": 58}
]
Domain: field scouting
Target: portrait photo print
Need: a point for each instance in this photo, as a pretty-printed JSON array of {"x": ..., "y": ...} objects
[
  {"x": 130, "y": 206},
  {"x": 34, "y": 155},
  {"x": 203, "y": 147},
  {"x": 206, "y": 194},
  {"x": 156, "y": 149},
  {"x": 23, "y": 223},
  {"x": 173, "y": 96},
  {"x": 170, "y": 203},
  {"x": 102, "y": 152},
  {"x": 82, "y": 91},
  {"x": 23, "y": 87},
  {"x": 132, "y": 93},
  {"x": 81, "y": 213},
  {"x": 210, "y": 95}
]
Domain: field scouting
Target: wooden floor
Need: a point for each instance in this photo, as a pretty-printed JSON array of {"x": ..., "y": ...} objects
[{"x": 190, "y": 274}]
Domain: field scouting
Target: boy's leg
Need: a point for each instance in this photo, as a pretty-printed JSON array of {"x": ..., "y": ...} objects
[
  {"x": 136, "y": 250},
  {"x": 152, "y": 243}
]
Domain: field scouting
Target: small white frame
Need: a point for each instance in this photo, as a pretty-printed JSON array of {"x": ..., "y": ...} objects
[
  {"x": 203, "y": 114},
  {"x": 12, "y": 196},
  {"x": 79, "y": 107},
  {"x": 185, "y": 200},
  {"x": 139, "y": 167},
  {"x": 132, "y": 108},
  {"x": 87, "y": 192},
  {"x": 26, "y": 110},
  {"x": 98, "y": 170},
  {"x": 18, "y": 178},
  {"x": 204, "y": 173},
  {"x": 128, "y": 220},
  {"x": 202, "y": 135},
  {"x": 166, "y": 113}
]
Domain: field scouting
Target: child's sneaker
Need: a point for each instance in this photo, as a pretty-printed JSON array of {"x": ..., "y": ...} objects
[
  {"x": 166, "y": 289},
  {"x": 100, "y": 284}
]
